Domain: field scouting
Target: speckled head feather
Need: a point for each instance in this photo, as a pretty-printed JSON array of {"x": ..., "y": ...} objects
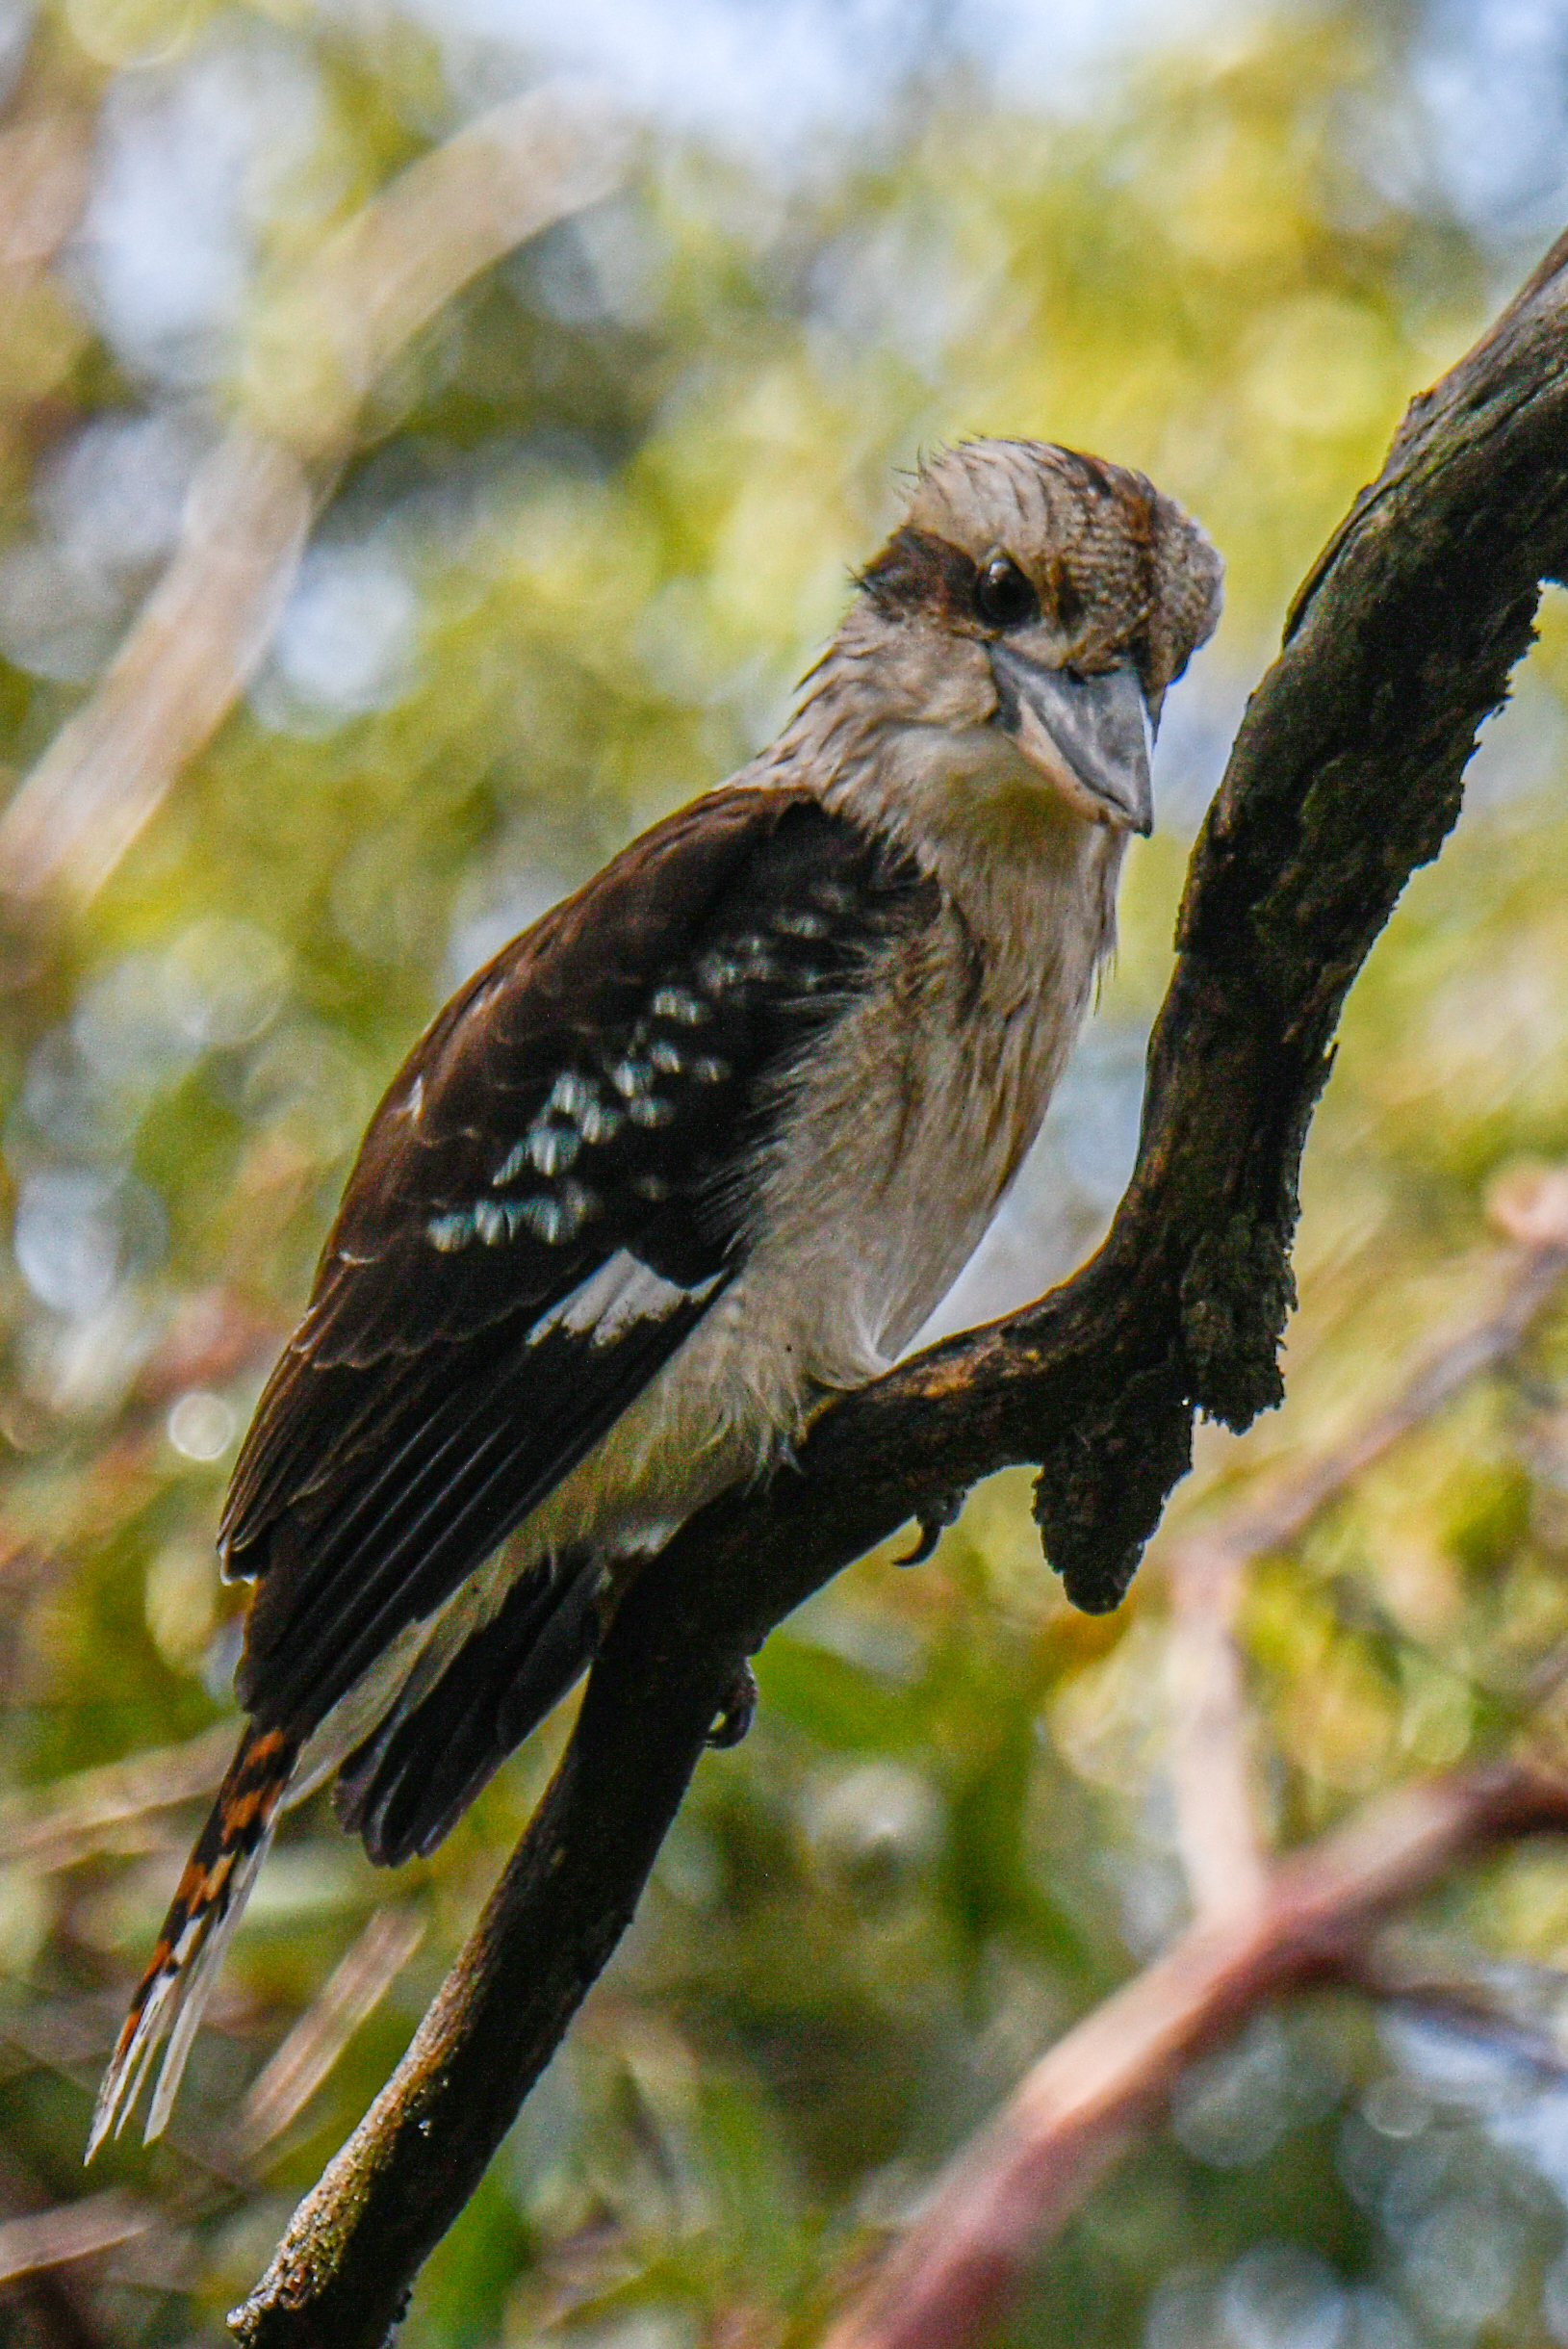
[{"x": 1110, "y": 556}]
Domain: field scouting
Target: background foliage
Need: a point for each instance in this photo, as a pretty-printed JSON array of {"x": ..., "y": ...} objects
[{"x": 599, "y": 517}]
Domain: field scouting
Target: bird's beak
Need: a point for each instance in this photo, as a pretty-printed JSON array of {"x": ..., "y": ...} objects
[{"x": 1090, "y": 737}]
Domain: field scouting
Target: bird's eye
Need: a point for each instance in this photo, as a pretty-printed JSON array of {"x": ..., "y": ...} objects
[{"x": 1003, "y": 594}]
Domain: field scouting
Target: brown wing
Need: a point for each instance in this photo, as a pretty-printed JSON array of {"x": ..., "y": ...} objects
[{"x": 550, "y": 1196}]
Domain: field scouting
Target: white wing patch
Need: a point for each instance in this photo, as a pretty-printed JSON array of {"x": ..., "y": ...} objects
[{"x": 622, "y": 1292}]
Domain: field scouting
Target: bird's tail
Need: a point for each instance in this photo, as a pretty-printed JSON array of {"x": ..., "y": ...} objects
[{"x": 206, "y": 1908}]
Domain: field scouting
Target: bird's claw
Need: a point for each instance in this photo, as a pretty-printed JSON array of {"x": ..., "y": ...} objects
[
  {"x": 932, "y": 1517},
  {"x": 739, "y": 1710}
]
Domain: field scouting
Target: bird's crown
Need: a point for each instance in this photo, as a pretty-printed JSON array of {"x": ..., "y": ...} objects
[{"x": 1001, "y": 532}]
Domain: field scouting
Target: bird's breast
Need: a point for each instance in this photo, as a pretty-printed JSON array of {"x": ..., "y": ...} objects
[
  {"x": 897, "y": 1138},
  {"x": 887, "y": 1149}
]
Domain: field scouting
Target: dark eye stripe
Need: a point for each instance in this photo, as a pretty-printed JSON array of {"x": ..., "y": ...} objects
[{"x": 916, "y": 572}]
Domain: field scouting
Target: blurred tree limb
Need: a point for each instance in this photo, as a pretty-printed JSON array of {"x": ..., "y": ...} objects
[
  {"x": 40, "y": 2247},
  {"x": 317, "y": 349},
  {"x": 1260, "y": 1927},
  {"x": 1345, "y": 776},
  {"x": 43, "y": 180},
  {"x": 1014, "y": 2185},
  {"x": 1211, "y": 1771}
]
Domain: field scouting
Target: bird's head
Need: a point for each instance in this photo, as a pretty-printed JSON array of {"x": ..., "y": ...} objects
[{"x": 1034, "y": 607}]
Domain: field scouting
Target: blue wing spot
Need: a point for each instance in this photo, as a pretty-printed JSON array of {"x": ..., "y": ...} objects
[
  {"x": 571, "y": 1094},
  {"x": 553, "y": 1219},
  {"x": 649, "y": 1110},
  {"x": 677, "y": 1004},
  {"x": 553, "y": 1149},
  {"x": 449, "y": 1233},
  {"x": 600, "y": 1122},
  {"x": 744, "y": 963}
]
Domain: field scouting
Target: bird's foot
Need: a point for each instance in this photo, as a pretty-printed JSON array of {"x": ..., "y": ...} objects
[
  {"x": 934, "y": 1516},
  {"x": 739, "y": 1710}
]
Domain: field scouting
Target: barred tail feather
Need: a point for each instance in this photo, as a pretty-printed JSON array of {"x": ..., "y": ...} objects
[{"x": 206, "y": 1908}]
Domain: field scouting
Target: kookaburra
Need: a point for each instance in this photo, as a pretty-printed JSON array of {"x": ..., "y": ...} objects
[{"x": 704, "y": 1146}]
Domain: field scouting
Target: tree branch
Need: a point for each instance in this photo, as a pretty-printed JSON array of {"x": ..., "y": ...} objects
[
  {"x": 1015, "y": 2185},
  {"x": 1345, "y": 776},
  {"x": 1210, "y": 1772},
  {"x": 1012, "y": 2189}
]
